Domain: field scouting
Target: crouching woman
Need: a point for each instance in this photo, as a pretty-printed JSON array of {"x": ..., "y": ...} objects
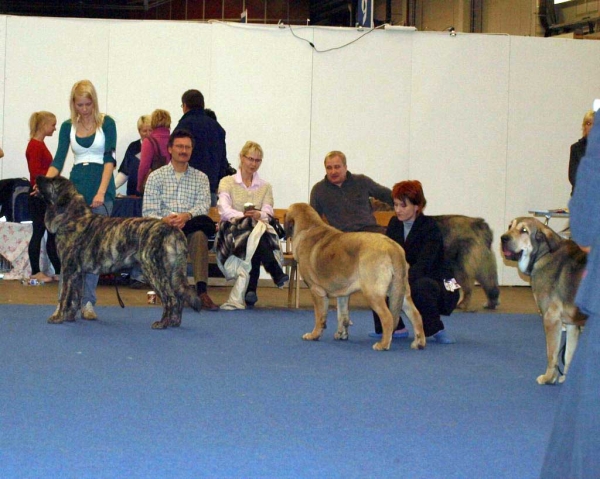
[
  {"x": 433, "y": 287},
  {"x": 245, "y": 239}
]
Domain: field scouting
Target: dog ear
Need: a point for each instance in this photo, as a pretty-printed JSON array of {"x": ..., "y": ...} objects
[
  {"x": 62, "y": 202},
  {"x": 548, "y": 237}
]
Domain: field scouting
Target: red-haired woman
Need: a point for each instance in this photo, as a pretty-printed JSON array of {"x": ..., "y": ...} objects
[{"x": 429, "y": 273}]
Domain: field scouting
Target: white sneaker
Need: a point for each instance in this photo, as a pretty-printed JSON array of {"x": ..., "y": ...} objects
[{"x": 87, "y": 312}]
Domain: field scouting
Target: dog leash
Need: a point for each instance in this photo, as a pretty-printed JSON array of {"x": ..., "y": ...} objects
[
  {"x": 118, "y": 294},
  {"x": 121, "y": 303}
]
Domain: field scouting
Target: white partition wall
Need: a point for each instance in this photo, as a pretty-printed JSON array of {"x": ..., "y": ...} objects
[
  {"x": 484, "y": 121},
  {"x": 361, "y": 102},
  {"x": 44, "y": 58},
  {"x": 150, "y": 65},
  {"x": 2, "y": 80},
  {"x": 458, "y": 125},
  {"x": 261, "y": 89},
  {"x": 552, "y": 85}
]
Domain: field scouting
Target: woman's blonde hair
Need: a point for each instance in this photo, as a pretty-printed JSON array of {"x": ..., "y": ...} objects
[
  {"x": 85, "y": 89},
  {"x": 249, "y": 147},
  {"x": 143, "y": 120},
  {"x": 588, "y": 117},
  {"x": 37, "y": 119},
  {"x": 160, "y": 118}
]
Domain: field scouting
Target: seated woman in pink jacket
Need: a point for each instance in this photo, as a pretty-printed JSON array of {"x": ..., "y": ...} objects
[{"x": 160, "y": 122}]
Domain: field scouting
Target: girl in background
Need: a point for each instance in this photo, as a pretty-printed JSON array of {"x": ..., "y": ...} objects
[
  {"x": 39, "y": 158},
  {"x": 128, "y": 170}
]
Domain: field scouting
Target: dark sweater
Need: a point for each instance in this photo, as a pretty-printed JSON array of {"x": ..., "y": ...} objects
[
  {"x": 347, "y": 207},
  {"x": 210, "y": 153}
]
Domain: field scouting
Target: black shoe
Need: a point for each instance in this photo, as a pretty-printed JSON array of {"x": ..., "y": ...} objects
[
  {"x": 250, "y": 298},
  {"x": 280, "y": 282},
  {"x": 135, "y": 284}
]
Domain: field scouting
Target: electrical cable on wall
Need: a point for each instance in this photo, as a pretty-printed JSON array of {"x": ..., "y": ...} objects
[{"x": 338, "y": 47}]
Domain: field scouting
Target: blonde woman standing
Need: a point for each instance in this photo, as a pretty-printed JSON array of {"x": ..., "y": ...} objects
[
  {"x": 92, "y": 136},
  {"x": 39, "y": 158}
]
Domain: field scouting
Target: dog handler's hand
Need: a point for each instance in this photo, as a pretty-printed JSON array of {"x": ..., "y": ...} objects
[{"x": 98, "y": 200}]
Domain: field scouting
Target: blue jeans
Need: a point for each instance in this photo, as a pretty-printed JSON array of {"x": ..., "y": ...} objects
[{"x": 90, "y": 282}]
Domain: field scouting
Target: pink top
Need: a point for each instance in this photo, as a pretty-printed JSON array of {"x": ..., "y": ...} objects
[{"x": 161, "y": 135}]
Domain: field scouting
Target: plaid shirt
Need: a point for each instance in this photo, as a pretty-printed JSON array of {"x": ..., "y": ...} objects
[{"x": 165, "y": 194}]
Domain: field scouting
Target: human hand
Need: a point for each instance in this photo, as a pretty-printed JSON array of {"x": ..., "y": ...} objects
[
  {"x": 177, "y": 219},
  {"x": 98, "y": 200},
  {"x": 254, "y": 214}
]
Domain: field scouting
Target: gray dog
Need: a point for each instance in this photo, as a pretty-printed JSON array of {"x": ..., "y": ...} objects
[{"x": 90, "y": 243}]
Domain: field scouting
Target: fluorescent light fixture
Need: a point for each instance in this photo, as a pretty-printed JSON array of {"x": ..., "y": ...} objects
[{"x": 556, "y": 2}]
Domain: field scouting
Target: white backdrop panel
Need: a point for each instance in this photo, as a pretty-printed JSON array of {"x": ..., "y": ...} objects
[
  {"x": 361, "y": 102},
  {"x": 459, "y": 124},
  {"x": 260, "y": 90},
  {"x": 151, "y": 64},
  {"x": 44, "y": 58},
  {"x": 2, "y": 86},
  {"x": 552, "y": 84}
]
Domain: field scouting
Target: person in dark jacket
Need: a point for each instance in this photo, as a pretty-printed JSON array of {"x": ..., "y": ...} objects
[
  {"x": 578, "y": 148},
  {"x": 432, "y": 285},
  {"x": 210, "y": 153},
  {"x": 572, "y": 450}
]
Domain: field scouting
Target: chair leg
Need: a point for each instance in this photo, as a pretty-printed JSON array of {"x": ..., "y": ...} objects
[
  {"x": 293, "y": 273},
  {"x": 297, "y": 276}
]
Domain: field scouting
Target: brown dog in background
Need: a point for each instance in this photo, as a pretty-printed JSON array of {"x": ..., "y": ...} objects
[
  {"x": 335, "y": 264},
  {"x": 555, "y": 266}
]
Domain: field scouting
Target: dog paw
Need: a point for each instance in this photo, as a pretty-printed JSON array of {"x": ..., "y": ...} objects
[
  {"x": 342, "y": 336},
  {"x": 546, "y": 379},
  {"x": 55, "y": 319},
  {"x": 160, "y": 325},
  {"x": 418, "y": 344},
  {"x": 379, "y": 346},
  {"x": 310, "y": 337}
]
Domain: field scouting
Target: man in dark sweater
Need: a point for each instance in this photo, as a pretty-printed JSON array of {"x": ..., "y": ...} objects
[
  {"x": 210, "y": 153},
  {"x": 343, "y": 198}
]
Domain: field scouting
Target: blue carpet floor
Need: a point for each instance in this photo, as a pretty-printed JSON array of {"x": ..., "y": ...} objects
[{"x": 241, "y": 395}]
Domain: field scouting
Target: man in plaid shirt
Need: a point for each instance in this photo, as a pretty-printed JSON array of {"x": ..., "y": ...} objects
[{"x": 179, "y": 195}]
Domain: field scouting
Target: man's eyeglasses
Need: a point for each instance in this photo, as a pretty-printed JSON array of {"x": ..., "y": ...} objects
[{"x": 258, "y": 161}]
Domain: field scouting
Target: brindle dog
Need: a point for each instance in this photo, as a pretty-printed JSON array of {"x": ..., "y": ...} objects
[{"x": 90, "y": 243}]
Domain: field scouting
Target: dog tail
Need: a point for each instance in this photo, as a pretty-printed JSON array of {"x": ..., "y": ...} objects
[
  {"x": 483, "y": 230},
  {"x": 398, "y": 287}
]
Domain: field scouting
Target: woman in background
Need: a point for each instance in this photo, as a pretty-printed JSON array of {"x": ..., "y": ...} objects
[
  {"x": 92, "y": 136},
  {"x": 128, "y": 171},
  {"x": 160, "y": 123},
  {"x": 39, "y": 158},
  {"x": 432, "y": 285},
  {"x": 578, "y": 148},
  {"x": 236, "y": 194}
]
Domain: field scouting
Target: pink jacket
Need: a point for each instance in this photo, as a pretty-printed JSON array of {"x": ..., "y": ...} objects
[{"x": 161, "y": 135}]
